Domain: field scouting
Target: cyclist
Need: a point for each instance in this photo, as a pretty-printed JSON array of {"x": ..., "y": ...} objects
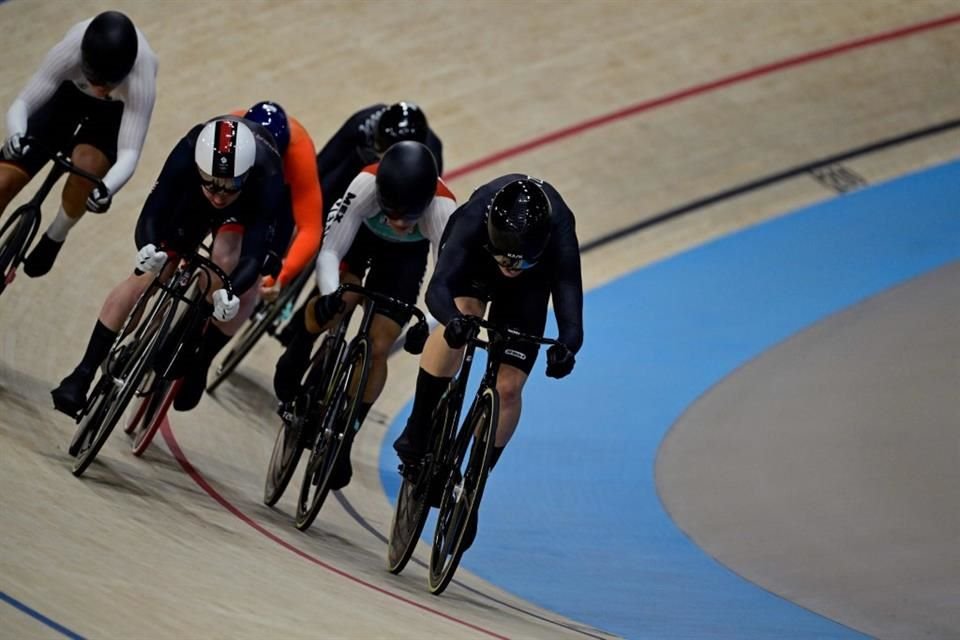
[
  {"x": 300, "y": 174},
  {"x": 223, "y": 177},
  {"x": 390, "y": 216},
  {"x": 513, "y": 244},
  {"x": 93, "y": 96},
  {"x": 360, "y": 142}
]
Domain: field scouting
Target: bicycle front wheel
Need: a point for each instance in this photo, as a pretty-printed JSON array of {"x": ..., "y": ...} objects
[
  {"x": 464, "y": 488},
  {"x": 414, "y": 498},
  {"x": 336, "y": 426},
  {"x": 15, "y": 235},
  {"x": 136, "y": 356}
]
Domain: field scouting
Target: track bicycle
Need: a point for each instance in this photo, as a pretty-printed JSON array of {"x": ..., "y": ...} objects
[
  {"x": 20, "y": 228},
  {"x": 453, "y": 473},
  {"x": 146, "y": 343}
]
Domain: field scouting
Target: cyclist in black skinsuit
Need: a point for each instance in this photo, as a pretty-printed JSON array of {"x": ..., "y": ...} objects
[
  {"x": 224, "y": 177},
  {"x": 513, "y": 244}
]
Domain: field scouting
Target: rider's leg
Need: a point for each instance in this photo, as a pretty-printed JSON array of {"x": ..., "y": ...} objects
[
  {"x": 225, "y": 253},
  {"x": 510, "y": 381},
  {"x": 384, "y": 332},
  {"x": 12, "y": 180},
  {"x": 438, "y": 364},
  {"x": 72, "y": 207},
  {"x": 295, "y": 360},
  {"x": 70, "y": 396}
]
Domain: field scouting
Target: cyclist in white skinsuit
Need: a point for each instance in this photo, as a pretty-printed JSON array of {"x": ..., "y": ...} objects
[
  {"x": 387, "y": 221},
  {"x": 92, "y": 97}
]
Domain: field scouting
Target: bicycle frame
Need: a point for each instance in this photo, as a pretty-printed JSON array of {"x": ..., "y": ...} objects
[
  {"x": 343, "y": 392},
  {"x": 27, "y": 216}
]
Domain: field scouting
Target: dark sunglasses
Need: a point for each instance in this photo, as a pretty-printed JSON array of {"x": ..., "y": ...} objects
[
  {"x": 514, "y": 264},
  {"x": 215, "y": 187}
]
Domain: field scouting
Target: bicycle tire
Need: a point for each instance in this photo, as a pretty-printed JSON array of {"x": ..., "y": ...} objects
[
  {"x": 249, "y": 337},
  {"x": 15, "y": 235},
  {"x": 284, "y": 458},
  {"x": 160, "y": 401},
  {"x": 413, "y": 499},
  {"x": 116, "y": 399},
  {"x": 94, "y": 412},
  {"x": 134, "y": 423},
  {"x": 288, "y": 444},
  {"x": 337, "y": 418},
  {"x": 456, "y": 512}
]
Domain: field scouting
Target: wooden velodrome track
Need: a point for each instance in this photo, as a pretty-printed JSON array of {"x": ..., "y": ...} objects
[{"x": 701, "y": 97}]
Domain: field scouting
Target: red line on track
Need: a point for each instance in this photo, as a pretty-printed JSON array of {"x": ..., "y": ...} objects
[
  {"x": 543, "y": 140},
  {"x": 699, "y": 89},
  {"x": 195, "y": 475}
]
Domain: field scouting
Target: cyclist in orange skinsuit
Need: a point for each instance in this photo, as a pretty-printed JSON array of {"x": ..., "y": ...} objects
[{"x": 306, "y": 203}]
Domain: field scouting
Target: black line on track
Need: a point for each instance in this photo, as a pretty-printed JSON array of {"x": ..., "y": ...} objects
[{"x": 766, "y": 181}]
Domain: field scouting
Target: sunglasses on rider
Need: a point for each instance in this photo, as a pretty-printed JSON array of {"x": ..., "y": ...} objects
[
  {"x": 512, "y": 263},
  {"x": 227, "y": 186}
]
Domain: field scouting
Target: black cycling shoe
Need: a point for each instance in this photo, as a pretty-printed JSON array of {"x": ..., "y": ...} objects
[
  {"x": 342, "y": 472},
  {"x": 290, "y": 369},
  {"x": 409, "y": 451},
  {"x": 71, "y": 396},
  {"x": 41, "y": 259}
]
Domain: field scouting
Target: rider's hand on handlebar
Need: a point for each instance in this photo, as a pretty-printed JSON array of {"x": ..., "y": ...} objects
[
  {"x": 416, "y": 338},
  {"x": 326, "y": 307},
  {"x": 149, "y": 260},
  {"x": 560, "y": 361},
  {"x": 270, "y": 289},
  {"x": 14, "y": 148},
  {"x": 99, "y": 200},
  {"x": 457, "y": 331},
  {"x": 225, "y": 306}
]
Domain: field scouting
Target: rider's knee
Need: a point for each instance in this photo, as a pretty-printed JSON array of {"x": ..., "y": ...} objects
[
  {"x": 12, "y": 180},
  {"x": 510, "y": 388}
]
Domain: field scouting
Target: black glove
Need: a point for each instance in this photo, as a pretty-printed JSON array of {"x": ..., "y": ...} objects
[
  {"x": 326, "y": 307},
  {"x": 560, "y": 361},
  {"x": 272, "y": 264},
  {"x": 457, "y": 331},
  {"x": 99, "y": 200},
  {"x": 416, "y": 338}
]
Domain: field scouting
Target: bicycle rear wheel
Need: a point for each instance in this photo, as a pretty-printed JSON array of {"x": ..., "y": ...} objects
[
  {"x": 259, "y": 325},
  {"x": 463, "y": 489},
  {"x": 413, "y": 500},
  {"x": 155, "y": 411},
  {"x": 335, "y": 427}
]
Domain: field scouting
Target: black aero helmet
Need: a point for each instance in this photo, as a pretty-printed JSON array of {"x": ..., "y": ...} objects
[
  {"x": 518, "y": 223},
  {"x": 401, "y": 121},
  {"x": 274, "y": 118},
  {"x": 406, "y": 180},
  {"x": 109, "y": 48}
]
